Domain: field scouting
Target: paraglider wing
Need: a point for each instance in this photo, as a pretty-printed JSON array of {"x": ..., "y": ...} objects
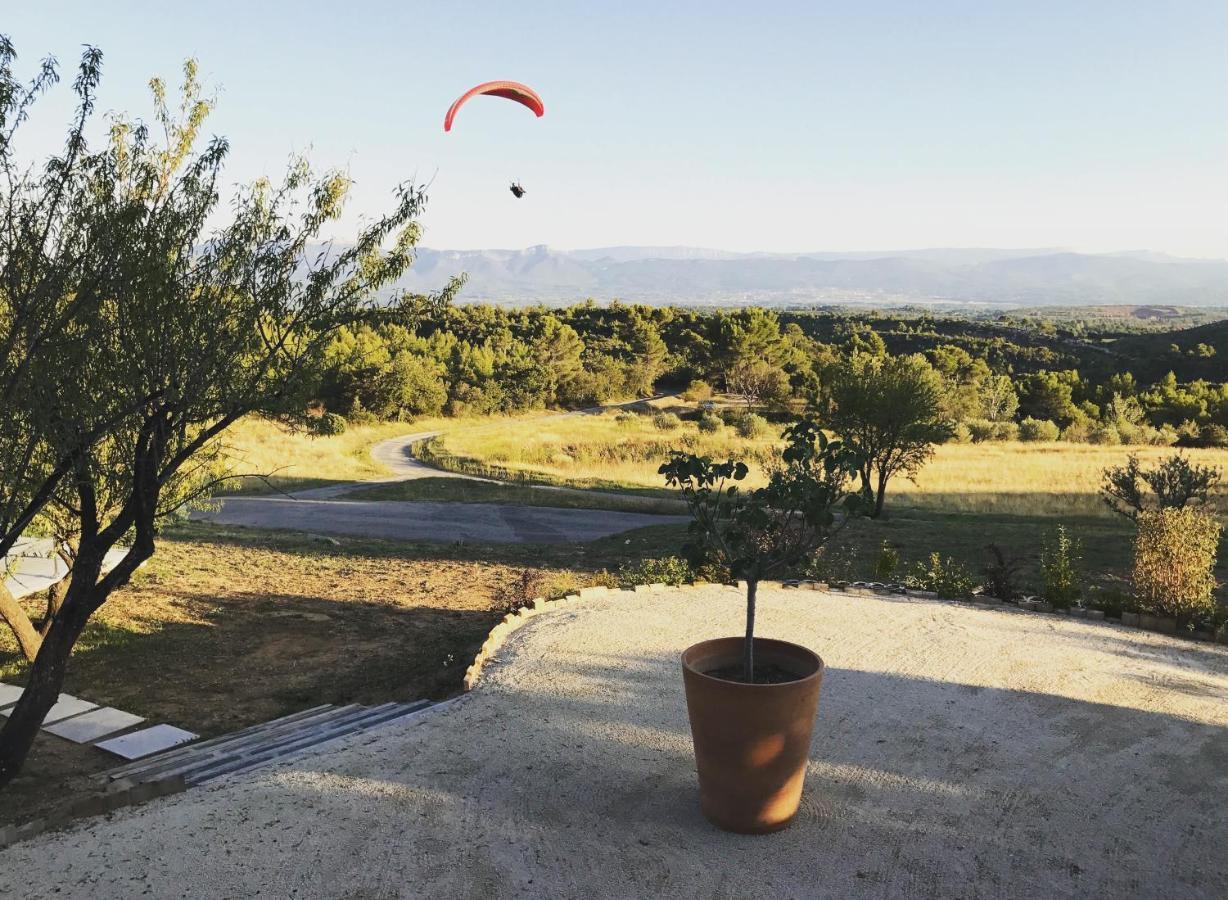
[{"x": 510, "y": 90}]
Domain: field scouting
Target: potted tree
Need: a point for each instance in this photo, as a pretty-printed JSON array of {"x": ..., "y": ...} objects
[{"x": 752, "y": 701}]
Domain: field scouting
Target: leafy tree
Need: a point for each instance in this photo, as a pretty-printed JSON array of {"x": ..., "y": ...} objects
[
  {"x": 890, "y": 408},
  {"x": 131, "y": 337},
  {"x": 759, "y": 533},
  {"x": 1174, "y": 483},
  {"x": 758, "y": 383}
]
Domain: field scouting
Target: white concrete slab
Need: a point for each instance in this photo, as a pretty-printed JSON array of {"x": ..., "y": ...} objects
[
  {"x": 9, "y": 694},
  {"x": 146, "y": 741},
  {"x": 32, "y": 566},
  {"x": 66, "y": 706},
  {"x": 91, "y": 726}
]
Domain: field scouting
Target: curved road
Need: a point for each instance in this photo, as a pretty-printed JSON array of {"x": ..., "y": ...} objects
[{"x": 319, "y": 510}]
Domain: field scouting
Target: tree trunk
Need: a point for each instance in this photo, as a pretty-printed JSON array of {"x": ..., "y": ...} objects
[
  {"x": 28, "y": 638},
  {"x": 880, "y": 495},
  {"x": 47, "y": 672},
  {"x": 748, "y": 649},
  {"x": 55, "y": 599}
]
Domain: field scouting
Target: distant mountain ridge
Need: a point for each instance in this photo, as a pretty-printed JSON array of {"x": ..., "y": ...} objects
[{"x": 693, "y": 275}]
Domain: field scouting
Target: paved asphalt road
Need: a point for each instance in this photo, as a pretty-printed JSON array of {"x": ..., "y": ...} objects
[{"x": 317, "y": 510}]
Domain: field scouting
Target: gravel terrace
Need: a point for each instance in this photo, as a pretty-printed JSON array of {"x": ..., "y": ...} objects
[{"x": 959, "y": 751}]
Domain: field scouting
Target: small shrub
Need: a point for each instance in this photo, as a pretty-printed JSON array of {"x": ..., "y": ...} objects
[
  {"x": 1174, "y": 483},
  {"x": 1174, "y": 561},
  {"x": 1104, "y": 434},
  {"x": 981, "y": 430},
  {"x": 627, "y": 420},
  {"x": 942, "y": 575},
  {"x": 518, "y": 592},
  {"x": 1037, "y": 430},
  {"x": 710, "y": 423},
  {"x": 1213, "y": 436},
  {"x": 666, "y": 421},
  {"x": 328, "y": 425},
  {"x": 1005, "y": 431},
  {"x": 1002, "y": 574},
  {"x": 750, "y": 425},
  {"x": 887, "y": 563},
  {"x": 697, "y": 391},
  {"x": 604, "y": 578},
  {"x": 961, "y": 434},
  {"x": 668, "y": 570},
  {"x": 1059, "y": 570},
  {"x": 1113, "y": 600},
  {"x": 834, "y": 561},
  {"x": 360, "y": 415}
]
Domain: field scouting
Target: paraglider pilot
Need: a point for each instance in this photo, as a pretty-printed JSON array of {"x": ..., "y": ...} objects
[{"x": 517, "y": 190}]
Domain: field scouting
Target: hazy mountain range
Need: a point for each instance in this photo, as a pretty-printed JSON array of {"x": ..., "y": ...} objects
[{"x": 690, "y": 275}]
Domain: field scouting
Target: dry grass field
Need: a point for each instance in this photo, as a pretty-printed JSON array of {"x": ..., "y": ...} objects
[{"x": 613, "y": 452}]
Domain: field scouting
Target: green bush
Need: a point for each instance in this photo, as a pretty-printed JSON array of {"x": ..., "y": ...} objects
[
  {"x": 1005, "y": 431},
  {"x": 750, "y": 425},
  {"x": 1112, "y": 599},
  {"x": 626, "y": 420},
  {"x": 328, "y": 425},
  {"x": 709, "y": 423},
  {"x": 1104, "y": 434},
  {"x": 942, "y": 575},
  {"x": 697, "y": 391},
  {"x": 667, "y": 570},
  {"x": 833, "y": 561},
  {"x": 887, "y": 563},
  {"x": 1174, "y": 561},
  {"x": 981, "y": 430},
  {"x": 1037, "y": 430},
  {"x": 1059, "y": 570},
  {"x": 666, "y": 421}
]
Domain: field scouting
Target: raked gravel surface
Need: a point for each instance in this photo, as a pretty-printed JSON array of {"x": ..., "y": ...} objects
[{"x": 959, "y": 752}]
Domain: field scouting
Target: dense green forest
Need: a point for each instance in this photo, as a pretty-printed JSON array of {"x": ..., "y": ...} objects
[{"x": 1004, "y": 378}]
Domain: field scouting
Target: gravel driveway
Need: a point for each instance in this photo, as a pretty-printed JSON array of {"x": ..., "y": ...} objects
[{"x": 960, "y": 752}]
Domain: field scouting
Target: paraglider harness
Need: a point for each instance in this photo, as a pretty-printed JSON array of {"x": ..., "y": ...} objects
[{"x": 517, "y": 190}]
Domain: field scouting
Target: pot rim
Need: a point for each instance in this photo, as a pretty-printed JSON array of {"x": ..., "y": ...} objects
[{"x": 813, "y": 676}]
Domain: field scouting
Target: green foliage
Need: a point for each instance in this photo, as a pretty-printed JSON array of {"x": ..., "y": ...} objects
[
  {"x": 1002, "y": 574},
  {"x": 1174, "y": 561},
  {"x": 1172, "y": 483},
  {"x": 945, "y": 576},
  {"x": 709, "y": 423},
  {"x": 757, "y": 533},
  {"x": 667, "y": 570},
  {"x": 1060, "y": 579},
  {"x": 835, "y": 561},
  {"x": 887, "y": 562},
  {"x": 666, "y": 421},
  {"x": 890, "y": 408},
  {"x": 328, "y": 425},
  {"x": 697, "y": 391},
  {"x": 751, "y": 426},
  {"x": 1038, "y": 430}
]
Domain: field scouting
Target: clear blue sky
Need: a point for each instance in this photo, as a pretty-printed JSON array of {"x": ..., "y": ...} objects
[{"x": 752, "y": 126}]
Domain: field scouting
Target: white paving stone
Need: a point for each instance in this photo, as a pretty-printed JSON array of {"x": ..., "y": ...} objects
[
  {"x": 146, "y": 741},
  {"x": 92, "y": 725},
  {"x": 9, "y": 694},
  {"x": 68, "y": 705}
]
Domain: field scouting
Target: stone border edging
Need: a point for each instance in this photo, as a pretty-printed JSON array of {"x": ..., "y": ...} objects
[
  {"x": 538, "y": 605},
  {"x": 118, "y": 795}
]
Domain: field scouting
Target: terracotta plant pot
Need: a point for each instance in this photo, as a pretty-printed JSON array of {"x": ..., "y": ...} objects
[{"x": 752, "y": 741}]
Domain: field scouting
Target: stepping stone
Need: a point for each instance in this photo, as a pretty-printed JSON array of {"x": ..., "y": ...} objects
[
  {"x": 92, "y": 725},
  {"x": 146, "y": 741},
  {"x": 9, "y": 694},
  {"x": 68, "y": 705}
]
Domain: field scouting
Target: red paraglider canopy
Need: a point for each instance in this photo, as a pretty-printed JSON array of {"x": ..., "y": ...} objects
[{"x": 510, "y": 90}]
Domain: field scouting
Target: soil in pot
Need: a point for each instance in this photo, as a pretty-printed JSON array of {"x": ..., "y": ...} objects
[{"x": 765, "y": 673}]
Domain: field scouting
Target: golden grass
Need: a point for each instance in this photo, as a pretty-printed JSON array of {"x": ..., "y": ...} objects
[
  {"x": 298, "y": 459},
  {"x": 1009, "y": 478},
  {"x": 604, "y": 450},
  {"x": 1030, "y": 479}
]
